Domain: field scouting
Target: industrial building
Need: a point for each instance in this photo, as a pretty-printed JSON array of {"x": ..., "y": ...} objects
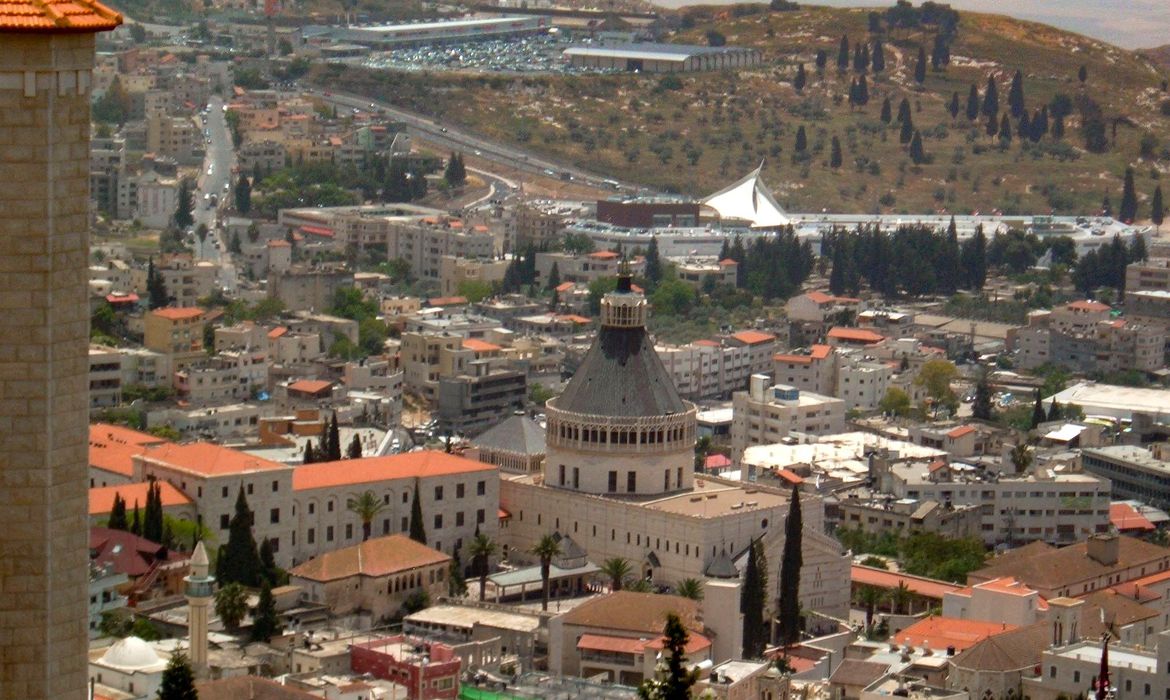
[
  {"x": 446, "y": 32},
  {"x": 660, "y": 58}
]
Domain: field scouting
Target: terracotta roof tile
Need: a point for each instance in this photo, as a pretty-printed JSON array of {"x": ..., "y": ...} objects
[
  {"x": 857, "y": 335},
  {"x": 373, "y": 469},
  {"x": 753, "y": 337},
  {"x": 310, "y": 386},
  {"x": 1058, "y": 568},
  {"x": 926, "y": 587},
  {"x": 961, "y": 431},
  {"x": 476, "y": 345},
  {"x": 937, "y": 632},
  {"x": 112, "y": 447},
  {"x": 101, "y": 498},
  {"x": 854, "y": 672},
  {"x": 57, "y": 16},
  {"x": 206, "y": 459},
  {"x": 1008, "y": 651},
  {"x": 178, "y": 314},
  {"x": 380, "y": 556},
  {"x": 633, "y": 612}
]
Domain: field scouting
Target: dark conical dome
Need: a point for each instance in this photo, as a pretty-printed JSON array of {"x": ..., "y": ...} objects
[{"x": 621, "y": 376}]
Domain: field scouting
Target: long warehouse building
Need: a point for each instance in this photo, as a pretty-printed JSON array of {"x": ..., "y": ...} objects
[
  {"x": 660, "y": 58},
  {"x": 445, "y": 32}
]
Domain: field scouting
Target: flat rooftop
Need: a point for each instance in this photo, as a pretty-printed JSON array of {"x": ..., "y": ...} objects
[
  {"x": 466, "y": 617},
  {"x": 1132, "y": 454},
  {"x": 653, "y": 52},
  {"x": 840, "y": 449},
  {"x": 1115, "y": 401},
  {"x": 1119, "y": 657}
]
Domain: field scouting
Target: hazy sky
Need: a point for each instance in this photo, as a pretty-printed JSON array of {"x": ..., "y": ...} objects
[{"x": 1130, "y": 24}]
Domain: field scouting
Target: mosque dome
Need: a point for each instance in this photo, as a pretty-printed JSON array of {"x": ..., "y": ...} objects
[{"x": 131, "y": 653}]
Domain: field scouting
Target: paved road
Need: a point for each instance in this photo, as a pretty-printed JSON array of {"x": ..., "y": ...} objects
[
  {"x": 216, "y": 179},
  {"x": 454, "y": 139}
]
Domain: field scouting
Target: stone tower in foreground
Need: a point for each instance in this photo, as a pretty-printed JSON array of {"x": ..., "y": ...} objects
[{"x": 46, "y": 59}]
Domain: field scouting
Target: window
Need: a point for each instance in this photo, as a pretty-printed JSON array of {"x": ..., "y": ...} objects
[
  {"x": 438, "y": 521},
  {"x": 561, "y": 475},
  {"x": 459, "y": 519},
  {"x": 386, "y": 526},
  {"x": 612, "y": 482},
  {"x": 225, "y": 492},
  {"x": 329, "y": 534},
  {"x": 224, "y": 522},
  {"x": 312, "y": 508},
  {"x": 311, "y": 536},
  {"x": 275, "y": 541},
  {"x": 458, "y": 490},
  {"x": 349, "y": 531},
  {"x": 479, "y": 516},
  {"x": 576, "y": 477},
  {"x": 631, "y": 482},
  {"x": 405, "y": 496},
  {"x": 274, "y": 516},
  {"x": 438, "y": 493},
  {"x": 275, "y": 486},
  {"x": 405, "y": 523},
  {"x": 329, "y": 506},
  {"x": 249, "y": 489},
  {"x": 481, "y": 488}
]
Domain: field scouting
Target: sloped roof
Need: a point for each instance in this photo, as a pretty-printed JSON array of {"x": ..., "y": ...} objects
[
  {"x": 1007, "y": 651},
  {"x": 722, "y": 567},
  {"x": 101, "y": 498},
  {"x": 621, "y": 375},
  {"x": 112, "y": 447},
  {"x": 175, "y": 313},
  {"x": 919, "y": 585},
  {"x": 634, "y": 612},
  {"x": 125, "y": 552},
  {"x": 519, "y": 434},
  {"x": 1060, "y": 567},
  {"x": 749, "y": 199},
  {"x": 207, "y": 459},
  {"x": 57, "y": 16},
  {"x": 853, "y": 672},
  {"x": 937, "y": 632},
  {"x": 380, "y": 556},
  {"x": 249, "y": 687},
  {"x": 372, "y": 469}
]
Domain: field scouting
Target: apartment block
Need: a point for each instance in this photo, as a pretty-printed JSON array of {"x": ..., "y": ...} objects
[
  {"x": 177, "y": 333},
  {"x": 472, "y": 401},
  {"x": 1136, "y": 472},
  {"x": 712, "y": 368},
  {"x": 1083, "y": 336},
  {"x": 767, "y": 413},
  {"x": 307, "y": 289},
  {"x": 454, "y": 271}
]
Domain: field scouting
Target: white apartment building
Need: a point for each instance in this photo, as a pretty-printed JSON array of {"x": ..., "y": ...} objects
[
  {"x": 713, "y": 368},
  {"x": 156, "y": 199},
  {"x": 229, "y": 376},
  {"x": 766, "y": 413},
  {"x": 113, "y": 369},
  {"x": 862, "y": 383},
  {"x": 186, "y": 279}
]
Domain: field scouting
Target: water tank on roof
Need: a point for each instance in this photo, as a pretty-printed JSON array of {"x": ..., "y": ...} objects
[{"x": 783, "y": 392}]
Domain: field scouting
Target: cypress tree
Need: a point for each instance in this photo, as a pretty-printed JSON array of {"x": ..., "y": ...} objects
[
  {"x": 653, "y": 269},
  {"x": 334, "y": 444},
  {"x": 1016, "y": 95},
  {"x": 907, "y": 133},
  {"x": 801, "y": 144},
  {"x": 799, "y": 81},
  {"x": 1054, "y": 411},
  {"x": 184, "y": 206},
  {"x": 354, "y": 451},
  {"x": 156, "y": 288},
  {"x": 751, "y": 601},
  {"x": 178, "y": 680},
  {"x": 862, "y": 91},
  {"x": 992, "y": 127},
  {"x": 239, "y": 557},
  {"x": 243, "y": 193},
  {"x": 117, "y": 514},
  {"x": 1083, "y": 74},
  {"x": 917, "y": 155},
  {"x": 991, "y": 99},
  {"x": 835, "y": 156},
  {"x": 136, "y": 521},
  {"x": 822, "y": 60},
  {"x": 152, "y": 521},
  {"x": 310, "y": 453},
  {"x": 1157, "y": 212},
  {"x": 920, "y": 66},
  {"x": 554, "y": 275},
  {"x": 1127, "y": 212},
  {"x": 953, "y": 107},
  {"x": 1005, "y": 129},
  {"x": 417, "y": 531},
  {"x": 972, "y": 103},
  {"x": 843, "y": 54},
  {"x": 981, "y": 408},
  {"x": 885, "y": 115},
  {"x": 837, "y": 275},
  {"x": 949, "y": 268},
  {"x": 790, "y": 563},
  {"x": 904, "y": 111},
  {"x": 1038, "y": 414},
  {"x": 879, "y": 56},
  {"x": 265, "y": 624}
]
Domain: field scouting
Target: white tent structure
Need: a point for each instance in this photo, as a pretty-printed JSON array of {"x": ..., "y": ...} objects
[{"x": 749, "y": 200}]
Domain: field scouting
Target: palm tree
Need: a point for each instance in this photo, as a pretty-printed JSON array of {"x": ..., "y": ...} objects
[
  {"x": 869, "y": 597},
  {"x": 366, "y": 506},
  {"x": 547, "y": 548},
  {"x": 640, "y": 585},
  {"x": 617, "y": 569},
  {"x": 231, "y": 604},
  {"x": 689, "y": 588},
  {"x": 900, "y": 598},
  {"x": 481, "y": 549}
]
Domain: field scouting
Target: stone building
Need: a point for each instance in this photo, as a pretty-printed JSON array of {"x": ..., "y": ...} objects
[
  {"x": 46, "y": 65},
  {"x": 619, "y": 476}
]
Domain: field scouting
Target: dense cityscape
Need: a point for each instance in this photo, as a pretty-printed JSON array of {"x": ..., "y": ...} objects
[{"x": 430, "y": 351}]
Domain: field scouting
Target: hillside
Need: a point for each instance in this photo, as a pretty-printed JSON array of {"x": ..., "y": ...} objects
[{"x": 698, "y": 133}]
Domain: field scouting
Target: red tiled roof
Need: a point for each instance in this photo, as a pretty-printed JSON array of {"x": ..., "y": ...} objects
[
  {"x": 112, "y": 447},
  {"x": 821, "y": 297},
  {"x": 1125, "y": 517},
  {"x": 310, "y": 386},
  {"x": 727, "y": 262},
  {"x": 604, "y": 642},
  {"x": 279, "y": 244},
  {"x": 564, "y": 286},
  {"x": 960, "y": 431},
  {"x": 816, "y": 352},
  {"x": 57, "y": 16},
  {"x": 101, "y": 498},
  {"x": 178, "y": 314},
  {"x": 859, "y": 335},
  {"x": 476, "y": 345},
  {"x": 1088, "y": 306},
  {"x": 937, "y": 632},
  {"x": 925, "y": 587},
  {"x": 695, "y": 642},
  {"x": 753, "y": 337},
  {"x": 789, "y": 476},
  {"x": 716, "y": 461},
  {"x": 323, "y": 231},
  {"x": 603, "y": 255},
  {"x": 277, "y": 332},
  {"x": 130, "y": 298},
  {"x": 573, "y": 318},
  {"x": 206, "y": 459},
  {"x": 706, "y": 343},
  {"x": 377, "y": 557},
  {"x": 126, "y": 552},
  {"x": 372, "y": 469},
  {"x": 447, "y": 301}
]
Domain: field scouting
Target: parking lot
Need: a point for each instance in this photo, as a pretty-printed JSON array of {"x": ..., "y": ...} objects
[{"x": 533, "y": 54}]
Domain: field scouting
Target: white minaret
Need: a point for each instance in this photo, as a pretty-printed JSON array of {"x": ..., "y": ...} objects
[{"x": 199, "y": 594}]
